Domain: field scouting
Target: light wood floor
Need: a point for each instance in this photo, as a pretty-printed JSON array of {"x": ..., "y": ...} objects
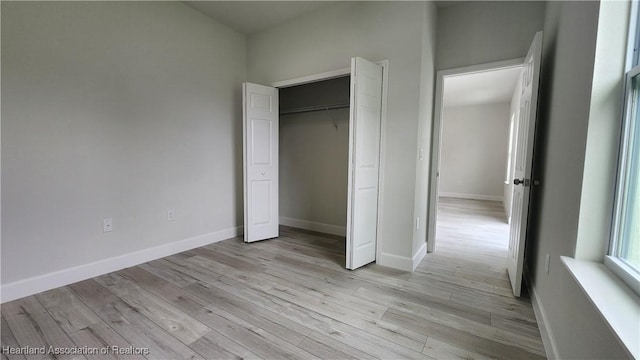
[{"x": 291, "y": 298}]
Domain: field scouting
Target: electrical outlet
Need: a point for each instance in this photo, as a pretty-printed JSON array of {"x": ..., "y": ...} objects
[
  {"x": 107, "y": 225},
  {"x": 171, "y": 215},
  {"x": 547, "y": 261}
]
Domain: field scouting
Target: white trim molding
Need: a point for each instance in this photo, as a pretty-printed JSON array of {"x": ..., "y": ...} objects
[
  {"x": 419, "y": 255},
  {"x": 548, "y": 340},
  {"x": 471, "y": 196},
  {"x": 383, "y": 151},
  {"x": 40, "y": 283},
  {"x": 395, "y": 261},
  {"x": 327, "y": 75},
  {"x": 402, "y": 262},
  {"x": 314, "y": 226}
]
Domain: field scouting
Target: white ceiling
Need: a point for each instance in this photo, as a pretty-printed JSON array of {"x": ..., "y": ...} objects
[
  {"x": 249, "y": 17},
  {"x": 489, "y": 87}
]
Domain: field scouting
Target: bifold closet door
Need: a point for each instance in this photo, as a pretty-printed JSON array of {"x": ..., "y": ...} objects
[
  {"x": 260, "y": 143},
  {"x": 364, "y": 162}
]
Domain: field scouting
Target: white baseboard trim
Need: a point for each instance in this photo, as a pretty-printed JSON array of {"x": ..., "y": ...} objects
[
  {"x": 548, "y": 340},
  {"x": 395, "y": 261},
  {"x": 314, "y": 226},
  {"x": 471, "y": 196},
  {"x": 37, "y": 284},
  {"x": 418, "y": 256}
]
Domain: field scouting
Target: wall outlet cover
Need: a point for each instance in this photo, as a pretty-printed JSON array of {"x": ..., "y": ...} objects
[
  {"x": 107, "y": 225},
  {"x": 547, "y": 262}
]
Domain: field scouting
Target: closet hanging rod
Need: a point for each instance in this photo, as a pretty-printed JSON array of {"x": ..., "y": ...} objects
[{"x": 314, "y": 108}]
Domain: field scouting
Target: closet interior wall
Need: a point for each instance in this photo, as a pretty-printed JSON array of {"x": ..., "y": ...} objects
[{"x": 314, "y": 154}]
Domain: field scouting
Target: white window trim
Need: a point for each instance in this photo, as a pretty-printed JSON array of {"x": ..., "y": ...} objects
[
  {"x": 625, "y": 272},
  {"x": 618, "y": 305},
  {"x": 614, "y": 299},
  {"x": 615, "y": 264}
]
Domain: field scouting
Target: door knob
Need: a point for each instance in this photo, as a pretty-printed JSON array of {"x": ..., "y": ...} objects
[
  {"x": 262, "y": 172},
  {"x": 523, "y": 182}
]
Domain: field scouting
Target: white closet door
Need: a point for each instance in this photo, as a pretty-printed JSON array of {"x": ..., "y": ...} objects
[
  {"x": 260, "y": 130},
  {"x": 364, "y": 161}
]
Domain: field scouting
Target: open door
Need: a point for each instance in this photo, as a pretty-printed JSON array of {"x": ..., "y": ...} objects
[
  {"x": 260, "y": 142},
  {"x": 364, "y": 162},
  {"x": 524, "y": 163}
]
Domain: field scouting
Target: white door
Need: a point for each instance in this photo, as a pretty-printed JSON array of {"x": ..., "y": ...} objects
[
  {"x": 524, "y": 162},
  {"x": 260, "y": 134},
  {"x": 364, "y": 161}
]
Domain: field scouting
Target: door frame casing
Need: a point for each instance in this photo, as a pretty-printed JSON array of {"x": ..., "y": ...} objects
[
  {"x": 436, "y": 140},
  {"x": 327, "y": 75}
]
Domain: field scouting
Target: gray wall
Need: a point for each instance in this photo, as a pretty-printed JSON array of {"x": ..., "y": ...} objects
[
  {"x": 115, "y": 110},
  {"x": 565, "y": 95},
  {"x": 326, "y": 40},
  {"x": 476, "y": 32},
  {"x": 473, "y": 155},
  {"x": 314, "y": 153}
]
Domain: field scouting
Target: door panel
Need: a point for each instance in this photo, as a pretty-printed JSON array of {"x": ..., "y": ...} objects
[
  {"x": 261, "y": 201},
  {"x": 261, "y": 138},
  {"x": 260, "y": 141},
  {"x": 364, "y": 160},
  {"x": 524, "y": 162}
]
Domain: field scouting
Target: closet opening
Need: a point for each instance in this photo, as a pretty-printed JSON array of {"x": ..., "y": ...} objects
[
  {"x": 314, "y": 164},
  {"x": 315, "y": 161}
]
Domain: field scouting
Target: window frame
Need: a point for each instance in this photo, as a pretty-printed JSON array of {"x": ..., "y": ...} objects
[{"x": 628, "y": 273}]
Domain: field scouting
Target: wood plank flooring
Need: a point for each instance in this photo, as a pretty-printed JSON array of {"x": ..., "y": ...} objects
[{"x": 292, "y": 298}]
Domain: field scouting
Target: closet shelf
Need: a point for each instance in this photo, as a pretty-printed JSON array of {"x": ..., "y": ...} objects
[{"x": 313, "y": 108}]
